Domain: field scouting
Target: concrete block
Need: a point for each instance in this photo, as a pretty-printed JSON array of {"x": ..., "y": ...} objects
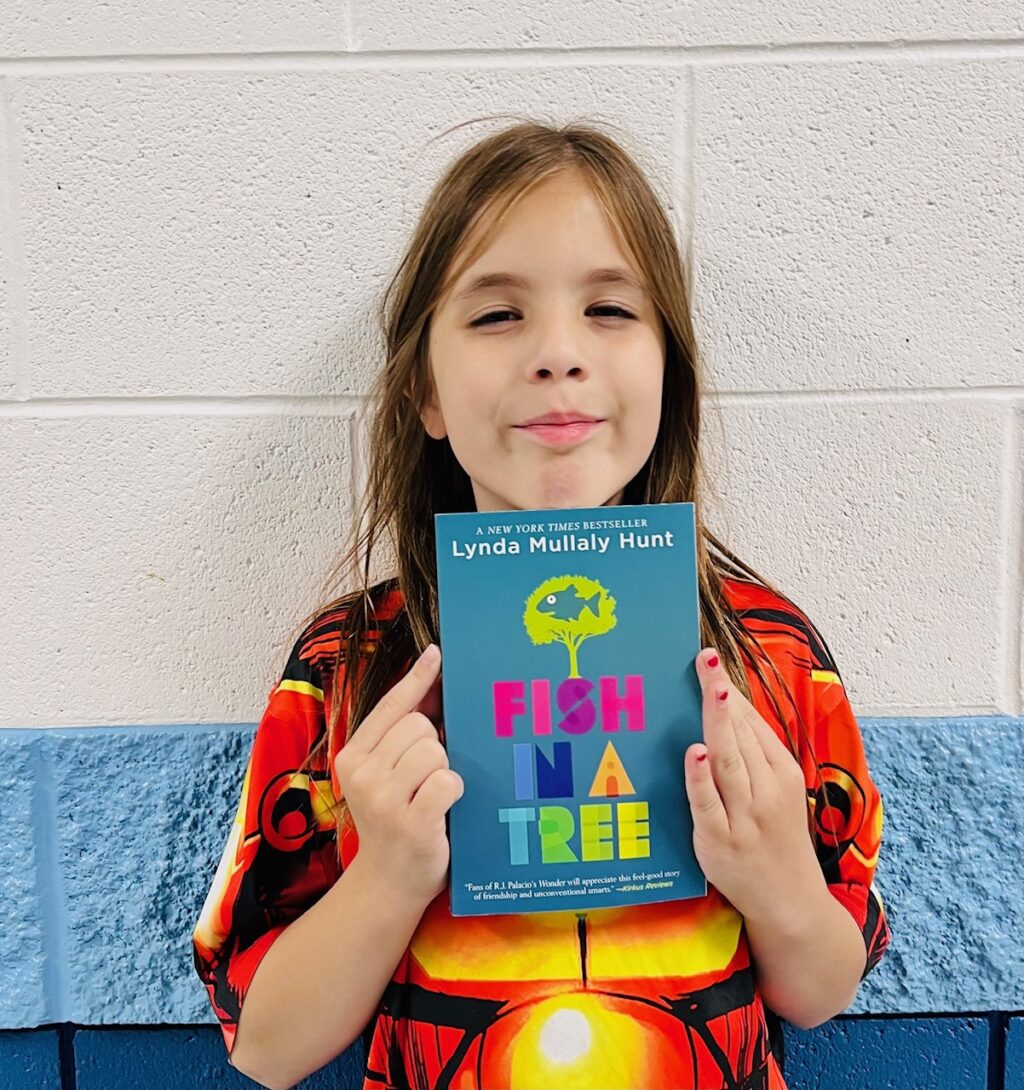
[
  {"x": 883, "y": 522},
  {"x": 76, "y": 28},
  {"x": 158, "y": 564},
  {"x": 233, "y": 232},
  {"x": 854, "y": 229},
  {"x": 184, "y": 1058},
  {"x": 889, "y": 1054},
  {"x": 399, "y": 24},
  {"x": 30, "y": 908},
  {"x": 949, "y": 877},
  {"x": 29, "y": 1059},
  {"x": 1014, "y": 1069},
  {"x": 146, "y": 813}
]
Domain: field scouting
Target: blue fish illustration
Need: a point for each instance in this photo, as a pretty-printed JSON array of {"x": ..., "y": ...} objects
[{"x": 560, "y": 606}]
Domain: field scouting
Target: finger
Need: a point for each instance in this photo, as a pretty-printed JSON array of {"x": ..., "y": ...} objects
[
  {"x": 762, "y": 751},
  {"x": 409, "y": 730},
  {"x": 727, "y": 763},
  {"x": 710, "y": 668},
  {"x": 775, "y": 749},
  {"x": 759, "y": 771},
  {"x": 402, "y": 698},
  {"x": 416, "y": 765},
  {"x": 710, "y": 671},
  {"x": 705, "y": 802},
  {"x": 437, "y": 794},
  {"x": 432, "y": 705}
]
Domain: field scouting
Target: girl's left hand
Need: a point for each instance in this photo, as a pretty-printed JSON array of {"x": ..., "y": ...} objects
[{"x": 748, "y": 800}]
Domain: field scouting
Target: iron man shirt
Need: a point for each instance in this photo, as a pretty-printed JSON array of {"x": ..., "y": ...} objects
[{"x": 661, "y": 995}]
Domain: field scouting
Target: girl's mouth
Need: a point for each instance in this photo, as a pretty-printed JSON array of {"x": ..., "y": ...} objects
[{"x": 561, "y": 434}]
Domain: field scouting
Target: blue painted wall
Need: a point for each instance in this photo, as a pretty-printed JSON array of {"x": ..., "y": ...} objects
[{"x": 112, "y": 837}]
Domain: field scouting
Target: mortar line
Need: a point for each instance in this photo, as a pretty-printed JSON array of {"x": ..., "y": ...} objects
[
  {"x": 360, "y": 461},
  {"x": 185, "y": 405},
  {"x": 711, "y": 397},
  {"x": 897, "y": 51},
  {"x": 685, "y": 172},
  {"x": 998, "y": 1023},
  {"x": 66, "y": 1052},
  {"x": 338, "y": 404},
  {"x": 1012, "y": 535},
  {"x": 356, "y": 453},
  {"x": 876, "y": 395}
]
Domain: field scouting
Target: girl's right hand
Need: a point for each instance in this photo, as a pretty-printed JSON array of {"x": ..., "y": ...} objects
[{"x": 394, "y": 774}]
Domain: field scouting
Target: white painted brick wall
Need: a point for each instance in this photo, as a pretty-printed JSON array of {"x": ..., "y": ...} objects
[{"x": 200, "y": 209}]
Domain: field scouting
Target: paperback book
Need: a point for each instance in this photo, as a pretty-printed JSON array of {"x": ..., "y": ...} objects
[{"x": 570, "y": 694}]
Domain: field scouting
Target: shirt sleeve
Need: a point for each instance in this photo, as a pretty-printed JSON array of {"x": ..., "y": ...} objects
[
  {"x": 848, "y": 809},
  {"x": 280, "y": 856}
]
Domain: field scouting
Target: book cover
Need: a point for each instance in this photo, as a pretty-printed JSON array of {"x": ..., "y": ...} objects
[{"x": 568, "y": 639}]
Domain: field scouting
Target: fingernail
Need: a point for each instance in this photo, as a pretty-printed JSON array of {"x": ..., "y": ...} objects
[
  {"x": 712, "y": 661},
  {"x": 702, "y": 757},
  {"x": 722, "y": 696},
  {"x": 430, "y": 653}
]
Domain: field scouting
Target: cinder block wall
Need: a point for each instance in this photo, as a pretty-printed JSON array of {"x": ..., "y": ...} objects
[{"x": 199, "y": 210}]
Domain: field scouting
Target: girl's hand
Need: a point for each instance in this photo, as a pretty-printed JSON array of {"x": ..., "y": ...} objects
[
  {"x": 748, "y": 800},
  {"x": 394, "y": 774}
]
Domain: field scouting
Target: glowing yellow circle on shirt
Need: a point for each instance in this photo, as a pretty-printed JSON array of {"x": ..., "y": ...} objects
[{"x": 580, "y": 1041}]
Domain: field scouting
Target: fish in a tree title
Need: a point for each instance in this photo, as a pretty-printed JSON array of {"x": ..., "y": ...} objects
[{"x": 551, "y": 832}]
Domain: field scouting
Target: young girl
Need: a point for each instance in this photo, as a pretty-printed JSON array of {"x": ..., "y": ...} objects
[{"x": 543, "y": 287}]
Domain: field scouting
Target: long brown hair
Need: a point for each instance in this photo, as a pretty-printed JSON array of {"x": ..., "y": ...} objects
[{"x": 411, "y": 477}]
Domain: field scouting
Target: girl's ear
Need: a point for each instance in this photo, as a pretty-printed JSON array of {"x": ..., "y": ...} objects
[
  {"x": 430, "y": 412},
  {"x": 433, "y": 420}
]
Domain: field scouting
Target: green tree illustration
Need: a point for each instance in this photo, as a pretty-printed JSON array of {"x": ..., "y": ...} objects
[{"x": 578, "y": 621}]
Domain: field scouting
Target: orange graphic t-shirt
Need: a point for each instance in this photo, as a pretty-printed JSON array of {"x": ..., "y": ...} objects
[{"x": 660, "y": 995}]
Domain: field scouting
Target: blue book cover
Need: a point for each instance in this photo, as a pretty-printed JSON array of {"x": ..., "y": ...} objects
[{"x": 570, "y": 694}]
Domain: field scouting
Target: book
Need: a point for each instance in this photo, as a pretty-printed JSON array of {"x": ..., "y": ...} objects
[{"x": 570, "y": 694}]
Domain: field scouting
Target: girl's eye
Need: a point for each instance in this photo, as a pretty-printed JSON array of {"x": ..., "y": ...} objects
[{"x": 483, "y": 320}]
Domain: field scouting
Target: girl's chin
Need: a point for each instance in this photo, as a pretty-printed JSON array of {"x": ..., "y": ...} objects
[
  {"x": 550, "y": 490},
  {"x": 559, "y": 500}
]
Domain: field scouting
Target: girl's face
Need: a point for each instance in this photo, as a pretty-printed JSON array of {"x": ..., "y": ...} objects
[{"x": 553, "y": 344}]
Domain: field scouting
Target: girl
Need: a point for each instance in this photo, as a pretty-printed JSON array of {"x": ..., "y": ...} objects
[{"x": 543, "y": 281}]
